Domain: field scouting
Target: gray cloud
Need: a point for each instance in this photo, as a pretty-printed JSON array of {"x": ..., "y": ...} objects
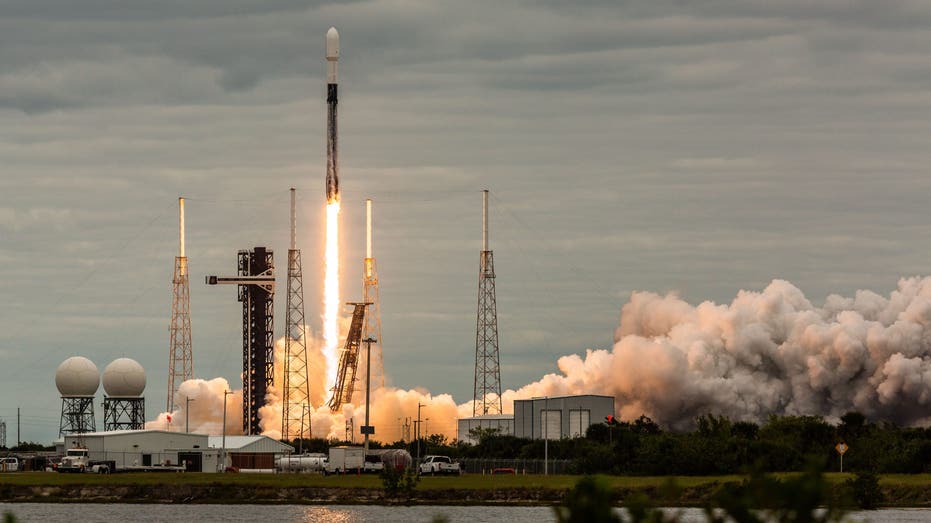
[{"x": 702, "y": 147}]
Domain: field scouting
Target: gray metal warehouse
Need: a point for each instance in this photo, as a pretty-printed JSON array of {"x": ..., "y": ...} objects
[
  {"x": 503, "y": 423},
  {"x": 560, "y": 417}
]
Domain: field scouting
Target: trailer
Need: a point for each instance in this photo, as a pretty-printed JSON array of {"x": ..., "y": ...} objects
[{"x": 345, "y": 459}]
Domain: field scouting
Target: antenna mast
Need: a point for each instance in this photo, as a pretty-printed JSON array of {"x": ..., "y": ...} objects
[
  {"x": 487, "y": 388},
  {"x": 296, "y": 388},
  {"x": 180, "y": 358}
]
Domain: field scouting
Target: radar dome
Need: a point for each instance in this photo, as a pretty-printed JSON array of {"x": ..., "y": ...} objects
[
  {"x": 77, "y": 376},
  {"x": 124, "y": 378}
]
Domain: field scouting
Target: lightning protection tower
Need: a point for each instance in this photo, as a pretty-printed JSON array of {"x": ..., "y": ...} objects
[
  {"x": 180, "y": 358},
  {"x": 296, "y": 387},
  {"x": 256, "y": 281},
  {"x": 371, "y": 326},
  {"x": 487, "y": 388}
]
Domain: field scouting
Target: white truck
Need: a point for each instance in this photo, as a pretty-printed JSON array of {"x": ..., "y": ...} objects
[
  {"x": 343, "y": 460},
  {"x": 9, "y": 464},
  {"x": 77, "y": 460},
  {"x": 433, "y": 465}
]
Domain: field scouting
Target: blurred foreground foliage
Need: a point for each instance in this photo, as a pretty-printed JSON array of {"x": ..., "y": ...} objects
[{"x": 803, "y": 498}]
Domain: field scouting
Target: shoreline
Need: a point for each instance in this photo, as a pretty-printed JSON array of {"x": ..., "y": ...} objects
[{"x": 900, "y": 491}]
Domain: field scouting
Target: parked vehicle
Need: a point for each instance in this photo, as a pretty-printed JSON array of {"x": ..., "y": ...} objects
[
  {"x": 302, "y": 463},
  {"x": 9, "y": 464},
  {"x": 373, "y": 464},
  {"x": 433, "y": 465},
  {"x": 77, "y": 460},
  {"x": 345, "y": 459}
]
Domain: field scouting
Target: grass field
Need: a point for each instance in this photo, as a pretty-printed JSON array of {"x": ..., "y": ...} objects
[{"x": 467, "y": 482}]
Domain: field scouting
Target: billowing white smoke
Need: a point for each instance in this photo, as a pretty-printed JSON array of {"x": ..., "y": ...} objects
[
  {"x": 769, "y": 352},
  {"x": 206, "y": 416}
]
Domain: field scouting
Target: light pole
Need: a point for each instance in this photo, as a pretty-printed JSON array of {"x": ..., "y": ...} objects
[
  {"x": 223, "y": 455},
  {"x": 187, "y": 414},
  {"x": 367, "y": 429}
]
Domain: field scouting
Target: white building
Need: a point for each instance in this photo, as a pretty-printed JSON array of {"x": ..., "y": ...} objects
[
  {"x": 195, "y": 452},
  {"x": 147, "y": 448},
  {"x": 250, "y": 453}
]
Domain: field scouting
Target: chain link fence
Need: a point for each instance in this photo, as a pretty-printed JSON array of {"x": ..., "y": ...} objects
[{"x": 519, "y": 466}]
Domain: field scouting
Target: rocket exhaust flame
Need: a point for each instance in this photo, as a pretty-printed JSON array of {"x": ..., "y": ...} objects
[{"x": 331, "y": 302}]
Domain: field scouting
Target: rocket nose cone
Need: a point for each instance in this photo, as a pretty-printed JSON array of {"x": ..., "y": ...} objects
[{"x": 332, "y": 44}]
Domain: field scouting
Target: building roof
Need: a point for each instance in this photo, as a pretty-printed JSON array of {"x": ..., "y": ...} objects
[
  {"x": 127, "y": 431},
  {"x": 570, "y": 396},
  {"x": 489, "y": 416},
  {"x": 249, "y": 444}
]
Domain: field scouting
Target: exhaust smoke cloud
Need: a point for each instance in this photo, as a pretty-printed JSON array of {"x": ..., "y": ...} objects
[{"x": 767, "y": 352}]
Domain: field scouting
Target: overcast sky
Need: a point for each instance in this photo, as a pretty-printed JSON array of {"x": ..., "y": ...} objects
[{"x": 700, "y": 147}]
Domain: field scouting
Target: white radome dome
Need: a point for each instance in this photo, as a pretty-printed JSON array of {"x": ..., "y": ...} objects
[
  {"x": 77, "y": 376},
  {"x": 124, "y": 378}
]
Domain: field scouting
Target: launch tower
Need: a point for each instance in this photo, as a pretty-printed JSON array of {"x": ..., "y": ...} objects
[
  {"x": 180, "y": 359},
  {"x": 487, "y": 387},
  {"x": 256, "y": 281},
  {"x": 296, "y": 387}
]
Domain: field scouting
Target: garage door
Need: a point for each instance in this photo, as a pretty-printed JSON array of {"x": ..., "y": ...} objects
[
  {"x": 579, "y": 420},
  {"x": 550, "y": 424}
]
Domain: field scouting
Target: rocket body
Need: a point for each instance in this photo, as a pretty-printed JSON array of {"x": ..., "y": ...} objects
[{"x": 332, "y": 150}]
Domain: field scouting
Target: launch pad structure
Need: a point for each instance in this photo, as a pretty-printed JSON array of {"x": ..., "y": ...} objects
[
  {"x": 180, "y": 356},
  {"x": 487, "y": 386},
  {"x": 296, "y": 385},
  {"x": 256, "y": 281},
  {"x": 349, "y": 360}
]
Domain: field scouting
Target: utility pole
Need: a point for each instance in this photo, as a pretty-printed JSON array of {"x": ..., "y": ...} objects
[
  {"x": 367, "y": 429},
  {"x": 417, "y": 431},
  {"x": 18, "y": 440}
]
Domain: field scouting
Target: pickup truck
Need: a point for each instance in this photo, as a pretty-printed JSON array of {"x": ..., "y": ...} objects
[{"x": 433, "y": 465}]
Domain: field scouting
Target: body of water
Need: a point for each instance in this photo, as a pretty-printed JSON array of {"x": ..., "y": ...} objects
[{"x": 123, "y": 513}]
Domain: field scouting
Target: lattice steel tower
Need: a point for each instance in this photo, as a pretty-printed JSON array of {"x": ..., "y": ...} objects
[
  {"x": 256, "y": 281},
  {"x": 371, "y": 327},
  {"x": 349, "y": 360},
  {"x": 296, "y": 386},
  {"x": 487, "y": 388},
  {"x": 180, "y": 359}
]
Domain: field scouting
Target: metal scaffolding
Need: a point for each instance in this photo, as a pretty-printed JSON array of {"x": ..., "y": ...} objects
[
  {"x": 77, "y": 415},
  {"x": 180, "y": 357},
  {"x": 349, "y": 360},
  {"x": 487, "y": 385},
  {"x": 256, "y": 281},
  {"x": 123, "y": 414},
  {"x": 296, "y": 386}
]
